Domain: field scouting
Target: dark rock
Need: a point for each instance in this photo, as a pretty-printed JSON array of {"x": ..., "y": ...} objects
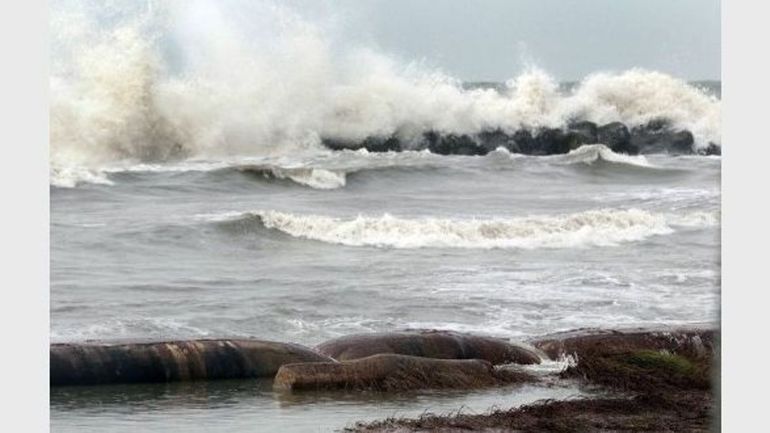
[
  {"x": 430, "y": 344},
  {"x": 580, "y": 133},
  {"x": 335, "y": 144},
  {"x": 96, "y": 363},
  {"x": 388, "y": 372},
  {"x": 525, "y": 141},
  {"x": 380, "y": 144},
  {"x": 658, "y": 137},
  {"x": 615, "y": 135},
  {"x": 658, "y": 125},
  {"x": 551, "y": 141},
  {"x": 576, "y": 139},
  {"x": 680, "y": 143},
  {"x": 711, "y": 149},
  {"x": 452, "y": 144},
  {"x": 585, "y": 128},
  {"x": 491, "y": 140}
]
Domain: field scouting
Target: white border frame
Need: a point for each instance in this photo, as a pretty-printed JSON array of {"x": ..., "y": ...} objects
[{"x": 24, "y": 226}]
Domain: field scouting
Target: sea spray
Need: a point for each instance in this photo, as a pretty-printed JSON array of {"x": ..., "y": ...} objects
[{"x": 198, "y": 79}]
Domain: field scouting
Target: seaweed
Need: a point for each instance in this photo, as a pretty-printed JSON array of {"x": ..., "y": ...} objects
[{"x": 655, "y": 391}]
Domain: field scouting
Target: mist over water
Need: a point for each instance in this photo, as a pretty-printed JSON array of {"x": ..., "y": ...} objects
[{"x": 191, "y": 197}]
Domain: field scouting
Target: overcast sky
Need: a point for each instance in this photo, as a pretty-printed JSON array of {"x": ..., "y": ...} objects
[{"x": 494, "y": 39}]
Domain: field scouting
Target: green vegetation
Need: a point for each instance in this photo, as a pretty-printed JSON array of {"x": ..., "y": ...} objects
[{"x": 664, "y": 361}]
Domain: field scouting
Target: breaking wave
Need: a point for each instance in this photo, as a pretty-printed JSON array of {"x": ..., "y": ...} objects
[
  {"x": 590, "y": 153},
  {"x": 72, "y": 176},
  {"x": 604, "y": 227},
  {"x": 316, "y": 178},
  {"x": 200, "y": 80}
]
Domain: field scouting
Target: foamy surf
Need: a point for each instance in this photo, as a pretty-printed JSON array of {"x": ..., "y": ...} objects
[
  {"x": 72, "y": 176},
  {"x": 130, "y": 327},
  {"x": 316, "y": 178},
  {"x": 604, "y": 227},
  {"x": 324, "y": 171}
]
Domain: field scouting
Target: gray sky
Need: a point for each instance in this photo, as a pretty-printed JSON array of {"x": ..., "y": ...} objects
[{"x": 495, "y": 39}]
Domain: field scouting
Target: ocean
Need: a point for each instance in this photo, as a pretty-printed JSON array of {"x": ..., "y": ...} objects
[
  {"x": 207, "y": 207},
  {"x": 304, "y": 249}
]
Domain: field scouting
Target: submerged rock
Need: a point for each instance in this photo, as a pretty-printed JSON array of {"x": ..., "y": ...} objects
[
  {"x": 96, "y": 363},
  {"x": 430, "y": 344},
  {"x": 389, "y": 372}
]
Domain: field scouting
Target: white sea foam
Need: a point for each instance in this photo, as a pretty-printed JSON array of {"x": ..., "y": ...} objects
[
  {"x": 199, "y": 79},
  {"x": 128, "y": 327},
  {"x": 604, "y": 227},
  {"x": 591, "y": 153},
  {"x": 317, "y": 178},
  {"x": 187, "y": 166},
  {"x": 72, "y": 176}
]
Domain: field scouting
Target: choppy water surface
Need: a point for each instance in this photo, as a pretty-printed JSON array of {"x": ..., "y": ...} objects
[{"x": 501, "y": 244}]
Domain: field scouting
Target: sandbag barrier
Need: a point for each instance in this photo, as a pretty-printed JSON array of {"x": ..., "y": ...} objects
[
  {"x": 390, "y": 372},
  {"x": 410, "y": 359},
  {"x": 430, "y": 344},
  {"x": 95, "y": 363}
]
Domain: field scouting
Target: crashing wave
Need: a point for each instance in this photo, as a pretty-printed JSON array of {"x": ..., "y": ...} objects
[
  {"x": 604, "y": 227},
  {"x": 191, "y": 80},
  {"x": 590, "y": 153}
]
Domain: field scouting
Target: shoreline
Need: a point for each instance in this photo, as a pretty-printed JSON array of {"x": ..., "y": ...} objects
[
  {"x": 657, "y": 379},
  {"x": 649, "y": 378}
]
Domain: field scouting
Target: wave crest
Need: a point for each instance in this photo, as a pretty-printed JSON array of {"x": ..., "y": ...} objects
[
  {"x": 604, "y": 227},
  {"x": 72, "y": 176},
  {"x": 590, "y": 153},
  {"x": 316, "y": 178}
]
